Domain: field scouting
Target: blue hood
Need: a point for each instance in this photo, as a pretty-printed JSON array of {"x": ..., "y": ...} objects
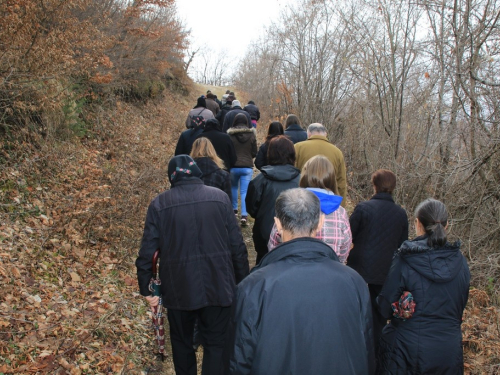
[{"x": 329, "y": 201}]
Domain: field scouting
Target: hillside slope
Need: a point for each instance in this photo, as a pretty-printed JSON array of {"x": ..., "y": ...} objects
[{"x": 71, "y": 218}]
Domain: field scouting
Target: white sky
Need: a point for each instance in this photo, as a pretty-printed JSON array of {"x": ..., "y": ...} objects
[{"x": 228, "y": 25}]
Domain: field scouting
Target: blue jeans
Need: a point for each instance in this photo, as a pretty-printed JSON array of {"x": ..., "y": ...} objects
[{"x": 243, "y": 176}]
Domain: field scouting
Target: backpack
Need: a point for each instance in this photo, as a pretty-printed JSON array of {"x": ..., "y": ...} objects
[{"x": 196, "y": 120}]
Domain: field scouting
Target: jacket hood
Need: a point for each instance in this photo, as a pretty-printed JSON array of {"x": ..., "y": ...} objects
[
  {"x": 329, "y": 201},
  {"x": 440, "y": 265},
  {"x": 285, "y": 172},
  {"x": 299, "y": 248},
  {"x": 242, "y": 133},
  {"x": 206, "y": 165}
]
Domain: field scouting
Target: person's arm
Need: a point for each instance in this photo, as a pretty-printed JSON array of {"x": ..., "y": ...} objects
[
  {"x": 242, "y": 338},
  {"x": 149, "y": 244},
  {"x": 188, "y": 121},
  {"x": 258, "y": 114},
  {"x": 392, "y": 289},
  {"x": 342, "y": 181},
  {"x": 253, "y": 197},
  {"x": 346, "y": 237},
  {"x": 239, "y": 254},
  {"x": 232, "y": 154},
  {"x": 180, "y": 147},
  {"x": 404, "y": 232},
  {"x": 367, "y": 321},
  {"x": 355, "y": 222},
  {"x": 254, "y": 146},
  {"x": 260, "y": 160}
]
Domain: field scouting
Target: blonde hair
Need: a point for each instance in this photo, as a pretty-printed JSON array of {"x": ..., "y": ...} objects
[
  {"x": 203, "y": 148},
  {"x": 318, "y": 172}
]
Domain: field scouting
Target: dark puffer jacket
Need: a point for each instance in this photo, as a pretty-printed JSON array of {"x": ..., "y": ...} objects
[
  {"x": 261, "y": 198},
  {"x": 253, "y": 110},
  {"x": 203, "y": 255},
  {"x": 296, "y": 133},
  {"x": 245, "y": 145},
  {"x": 301, "y": 312},
  {"x": 186, "y": 140},
  {"x": 213, "y": 175},
  {"x": 379, "y": 227},
  {"x": 430, "y": 342},
  {"x": 261, "y": 158}
]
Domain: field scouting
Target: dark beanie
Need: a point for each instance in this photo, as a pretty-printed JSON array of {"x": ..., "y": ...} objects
[
  {"x": 201, "y": 103},
  {"x": 240, "y": 119},
  {"x": 182, "y": 167}
]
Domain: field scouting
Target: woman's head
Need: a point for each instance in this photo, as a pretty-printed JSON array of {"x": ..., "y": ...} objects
[
  {"x": 290, "y": 120},
  {"x": 275, "y": 128},
  {"x": 384, "y": 181},
  {"x": 201, "y": 103},
  {"x": 203, "y": 148},
  {"x": 281, "y": 151},
  {"x": 432, "y": 215},
  {"x": 318, "y": 172},
  {"x": 240, "y": 120}
]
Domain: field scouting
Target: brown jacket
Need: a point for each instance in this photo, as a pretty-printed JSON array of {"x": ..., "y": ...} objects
[
  {"x": 245, "y": 145},
  {"x": 212, "y": 105},
  {"x": 319, "y": 145}
]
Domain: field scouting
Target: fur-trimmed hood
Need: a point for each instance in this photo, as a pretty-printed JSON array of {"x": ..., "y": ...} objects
[{"x": 242, "y": 133}]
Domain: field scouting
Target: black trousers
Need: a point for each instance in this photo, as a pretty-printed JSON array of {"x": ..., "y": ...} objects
[
  {"x": 379, "y": 322},
  {"x": 212, "y": 324}
]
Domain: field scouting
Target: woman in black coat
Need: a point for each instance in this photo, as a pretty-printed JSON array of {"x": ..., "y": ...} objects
[
  {"x": 275, "y": 128},
  {"x": 436, "y": 273},
  {"x": 293, "y": 130},
  {"x": 278, "y": 176},
  {"x": 211, "y": 165}
]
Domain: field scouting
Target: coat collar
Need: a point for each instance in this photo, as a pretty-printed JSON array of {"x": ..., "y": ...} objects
[
  {"x": 384, "y": 197},
  {"x": 304, "y": 248},
  {"x": 320, "y": 137}
]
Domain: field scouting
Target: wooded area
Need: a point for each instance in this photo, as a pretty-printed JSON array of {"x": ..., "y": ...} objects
[
  {"x": 408, "y": 86},
  {"x": 93, "y": 97}
]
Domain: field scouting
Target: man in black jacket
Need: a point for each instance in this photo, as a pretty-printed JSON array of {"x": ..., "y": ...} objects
[
  {"x": 203, "y": 257},
  {"x": 253, "y": 111},
  {"x": 300, "y": 311},
  {"x": 229, "y": 118}
]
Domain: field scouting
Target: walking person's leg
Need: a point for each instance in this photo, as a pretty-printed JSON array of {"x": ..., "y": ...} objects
[
  {"x": 245, "y": 179},
  {"x": 181, "y": 337},
  {"x": 235, "y": 179},
  {"x": 213, "y": 324}
]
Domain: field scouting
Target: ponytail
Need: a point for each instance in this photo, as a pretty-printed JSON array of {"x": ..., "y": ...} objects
[{"x": 434, "y": 218}]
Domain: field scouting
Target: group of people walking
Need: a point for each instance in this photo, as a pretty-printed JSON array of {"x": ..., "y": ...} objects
[{"x": 329, "y": 294}]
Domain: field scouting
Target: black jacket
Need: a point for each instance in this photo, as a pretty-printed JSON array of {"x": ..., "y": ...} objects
[
  {"x": 223, "y": 145},
  {"x": 379, "y": 227},
  {"x": 213, "y": 175},
  {"x": 263, "y": 191},
  {"x": 203, "y": 255},
  {"x": 301, "y": 312},
  {"x": 186, "y": 140},
  {"x": 253, "y": 111},
  {"x": 222, "y": 113},
  {"x": 430, "y": 342},
  {"x": 296, "y": 133},
  {"x": 261, "y": 158},
  {"x": 229, "y": 118}
]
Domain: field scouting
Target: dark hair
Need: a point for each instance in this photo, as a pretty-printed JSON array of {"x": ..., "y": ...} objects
[
  {"x": 299, "y": 211},
  {"x": 318, "y": 172},
  {"x": 240, "y": 119},
  {"x": 384, "y": 181},
  {"x": 201, "y": 103},
  {"x": 251, "y": 102},
  {"x": 275, "y": 128},
  {"x": 281, "y": 151},
  {"x": 434, "y": 218},
  {"x": 290, "y": 120},
  {"x": 210, "y": 95}
]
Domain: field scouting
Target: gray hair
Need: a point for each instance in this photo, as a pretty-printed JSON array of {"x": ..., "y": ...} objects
[
  {"x": 316, "y": 128},
  {"x": 299, "y": 211}
]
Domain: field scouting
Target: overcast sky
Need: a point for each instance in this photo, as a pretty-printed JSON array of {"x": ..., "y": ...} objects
[{"x": 230, "y": 25}]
